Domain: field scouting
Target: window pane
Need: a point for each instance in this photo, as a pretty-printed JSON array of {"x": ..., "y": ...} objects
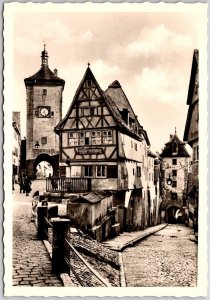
[
  {"x": 88, "y": 171},
  {"x": 86, "y": 111},
  {"x": 112, "y": 172},
  {"x": 76, "y": 171},
  {"x": 44, "y": 140},
  {"x": 174, "y": 172}
]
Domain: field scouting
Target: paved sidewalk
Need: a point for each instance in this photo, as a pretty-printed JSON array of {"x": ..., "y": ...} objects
[
  {"x": 31, "y": 261},
  {"x": 127, "y": 239}
]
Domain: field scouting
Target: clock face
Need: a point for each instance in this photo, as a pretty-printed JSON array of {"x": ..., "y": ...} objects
[{"x": 44, "y": 112}]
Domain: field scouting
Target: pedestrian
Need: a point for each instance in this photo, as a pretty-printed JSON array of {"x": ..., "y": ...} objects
[
  {"x": 35, "y": 203},
  {"x": 21, "y": 184},
  {"x": 27, "y": 185},
  {"x": 54, "y": 182}
]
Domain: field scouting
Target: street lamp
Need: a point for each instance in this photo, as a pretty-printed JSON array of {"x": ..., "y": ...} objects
[
  {"x": 169, "y": 180},
  {"x": 37, "y": 145}
]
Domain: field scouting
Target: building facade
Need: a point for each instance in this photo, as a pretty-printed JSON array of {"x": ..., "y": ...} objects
[
  {"x": 102, "y": 143},
  {"x": 191, "y": 136},
  {"x": 16, "y": 146},
  {"x": 154, "y": 199},
  {"x": 174, "y": 173},
  {"x": 44, "y": 110}
]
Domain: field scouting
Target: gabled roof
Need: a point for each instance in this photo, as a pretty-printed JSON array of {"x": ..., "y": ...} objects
[
  {"x": 44, "y": 75},
  {"x": 167, "y": 151},
  {"x": 88, "y": 75},
  {"x": 151, "y": 154},
  {"x": 194, "y": 70},
  {"x": 111, "y": 105},
  {"x": 116, "y": 93}
]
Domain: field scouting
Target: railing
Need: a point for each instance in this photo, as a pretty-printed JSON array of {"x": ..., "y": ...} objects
[
  {"x": 84, "y": 273},
  {"x": 66, "y": 184},
  {"x": 65, "y": 258}
]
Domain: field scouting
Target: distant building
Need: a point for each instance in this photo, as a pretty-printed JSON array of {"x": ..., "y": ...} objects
[
  {"x": 44, "y": 110},
  {"x": 191, "y": 136},
  {"x": 104, "y": 147},
  {"x": 16, "y": 145},
  {"x": 153, "y": 189},
  {"x": 174, "y": 174}
]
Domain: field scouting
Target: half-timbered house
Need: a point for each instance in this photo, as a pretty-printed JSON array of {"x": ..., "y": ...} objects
[{"x": 104, "y": 147}]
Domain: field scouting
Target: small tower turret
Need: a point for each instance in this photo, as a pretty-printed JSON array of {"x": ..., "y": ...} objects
[{"x": 44, "y": 57}]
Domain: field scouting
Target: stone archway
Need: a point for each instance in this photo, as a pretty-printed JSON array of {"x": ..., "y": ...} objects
[
  {"x": 171, "y": 212},
  {"x": 52, "y": 160}
]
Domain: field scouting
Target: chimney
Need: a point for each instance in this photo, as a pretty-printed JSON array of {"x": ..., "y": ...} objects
[{"x": 56, "y": 72}]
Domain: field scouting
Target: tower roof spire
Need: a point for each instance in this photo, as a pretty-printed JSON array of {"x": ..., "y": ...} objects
[{"x": 44, "y": 56}]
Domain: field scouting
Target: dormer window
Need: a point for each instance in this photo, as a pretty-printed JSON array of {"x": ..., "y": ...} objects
[{"x": 174, "y": 148}]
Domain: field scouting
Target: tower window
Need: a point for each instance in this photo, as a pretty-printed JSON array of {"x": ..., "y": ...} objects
[
  {"x": 174, "y": 172},
  {"x": 174, "y": 148},
  {"x": 174, "y": 161},
  {"x": 36, "y": 113},
  {"x": 174, "y": 196},
  {"x": 52, "y": 113},
  {"x": 44, "y": 140},
  {"x": 174, "y": 184}
]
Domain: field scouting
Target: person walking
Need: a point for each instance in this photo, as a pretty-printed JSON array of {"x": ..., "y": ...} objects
[
  {"x": 21, "y": 184},
  {"x": 27, "y": 185}
]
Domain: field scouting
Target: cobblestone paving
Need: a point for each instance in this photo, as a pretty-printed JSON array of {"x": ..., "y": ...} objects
[
  {"x": 166, "y": 259},
  {"x": 31, "y": 261},
  {"x": 128, "y": 238}
]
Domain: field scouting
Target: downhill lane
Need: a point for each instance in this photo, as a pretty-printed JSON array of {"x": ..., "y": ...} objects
[{"x": 167, "y": 258}]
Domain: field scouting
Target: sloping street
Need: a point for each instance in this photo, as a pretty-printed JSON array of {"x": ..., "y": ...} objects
[
  {"x": 166, "y": 258},
  {"x": 31, "y": 262}
]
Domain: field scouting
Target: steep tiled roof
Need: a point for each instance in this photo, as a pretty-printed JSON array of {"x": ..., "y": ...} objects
[
  {"x": 44, "y": 75},
  {"x": 167, "y": 151},
  {"x": 114, "y": 103},
  {"x": 194, "y": 70},
  {"x": 151, "y": 154},
  {"x": 120, "y": 100},
  {"x": 118, "y": 117}
]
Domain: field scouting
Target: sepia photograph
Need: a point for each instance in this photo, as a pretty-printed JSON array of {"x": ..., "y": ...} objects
[{"x": 102, "y": 149}]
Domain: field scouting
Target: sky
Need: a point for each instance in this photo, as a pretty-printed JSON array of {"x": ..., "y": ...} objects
[{"x": 149, "y": 53}]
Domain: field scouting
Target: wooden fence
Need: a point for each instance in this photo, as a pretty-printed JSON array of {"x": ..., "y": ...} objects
[{"x": 66, "y": 184}]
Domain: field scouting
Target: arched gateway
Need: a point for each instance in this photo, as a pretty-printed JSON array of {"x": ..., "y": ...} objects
[
  {"x": 171, "y": 211},
  {"x": 44, "y": 110}
]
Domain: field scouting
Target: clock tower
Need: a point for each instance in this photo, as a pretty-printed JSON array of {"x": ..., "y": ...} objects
[{"x": 44, "y": 111}]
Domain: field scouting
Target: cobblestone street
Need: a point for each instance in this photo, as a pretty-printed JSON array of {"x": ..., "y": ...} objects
[
  {"x": 168, "y": 259},
  {"x": 31, "y": 261}
]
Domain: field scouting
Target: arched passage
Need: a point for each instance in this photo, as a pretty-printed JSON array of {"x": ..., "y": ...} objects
[
  {"x": 46, "y": 164},
  {"x": 171, "y": 214}
]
